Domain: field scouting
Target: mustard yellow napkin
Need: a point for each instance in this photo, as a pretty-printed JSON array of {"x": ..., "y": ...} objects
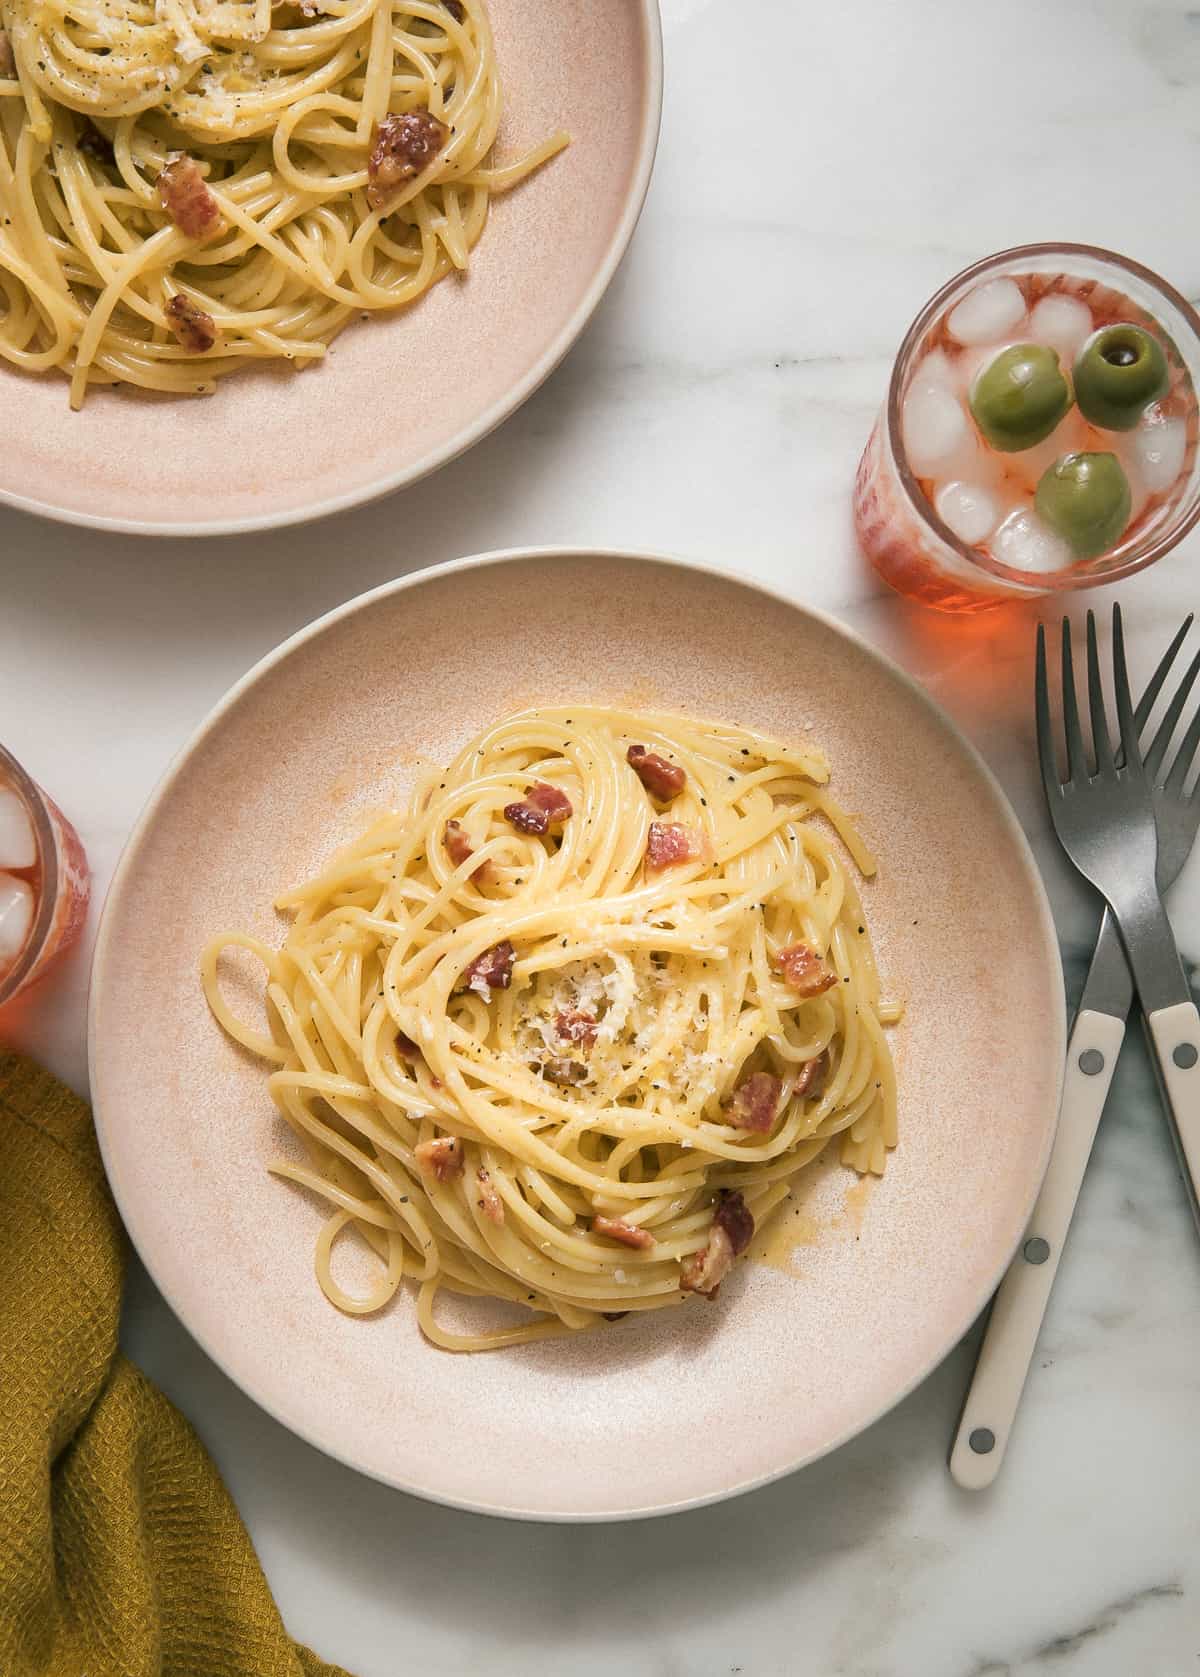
[{"x": 121, "y": 1554}]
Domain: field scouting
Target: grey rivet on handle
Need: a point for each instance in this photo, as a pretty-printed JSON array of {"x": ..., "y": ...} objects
[
  {"x": 1185, "y": 1056},
  {"x": 1091, "y": 1062},
  {"x": 1036, "y": 1251},
  {"x": 982, "y": 1440}
]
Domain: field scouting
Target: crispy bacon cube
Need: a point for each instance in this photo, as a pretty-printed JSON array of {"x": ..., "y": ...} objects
[
  {"x": 442, "y": 1159},
  {"x": 403, "y": 147},
  {"x": 543, "y": 806},
  {"x": 627, "y": 1234},
  {"x": 809, "y": 1075},
  {"x": 490, "y": 971},
  {"x": 574, "y": 1024},
  {"x": 194, "y": 327},
  {"x": 731, "y": 1233},
  {"x": 186, "y": 199},
  {"x": 459, "y": 849},
  {"x": 662, "y": 779},
  {"x": 755, "y": 1105},
  {"x": 671, "y": 844},
  {"x": 804, "y": 970}
]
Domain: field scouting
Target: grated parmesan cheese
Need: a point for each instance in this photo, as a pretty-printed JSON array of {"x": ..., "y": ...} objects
[{"x": 189, "y": 48}]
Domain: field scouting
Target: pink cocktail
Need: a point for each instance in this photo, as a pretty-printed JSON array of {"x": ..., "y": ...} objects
[
  {"x": 44, "y": 880},
  {"x": 1040, "y": 431}
]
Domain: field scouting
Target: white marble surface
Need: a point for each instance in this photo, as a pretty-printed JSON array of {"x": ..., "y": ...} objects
[{"x": 822, "y": 169}]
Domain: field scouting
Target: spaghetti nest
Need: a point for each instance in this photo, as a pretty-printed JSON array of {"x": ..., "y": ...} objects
[
  {"x": 564, "y": 1032},
  {"x": 330, "y": 156}
]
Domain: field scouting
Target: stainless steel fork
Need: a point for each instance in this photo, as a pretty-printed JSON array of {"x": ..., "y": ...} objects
[
  {"x": 1105, "y": 821},
  {"x": 1019, "y": 1309}
]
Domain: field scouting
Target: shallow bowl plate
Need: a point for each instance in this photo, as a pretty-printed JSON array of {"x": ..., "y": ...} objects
[
  {"x": 401, "y": 394},
  {"x": 663, "y": 1411}
]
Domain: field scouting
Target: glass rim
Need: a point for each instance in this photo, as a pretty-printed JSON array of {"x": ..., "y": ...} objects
[
  {"x": 46, "y": 846},
  {"x": 1041, "y": 581}
]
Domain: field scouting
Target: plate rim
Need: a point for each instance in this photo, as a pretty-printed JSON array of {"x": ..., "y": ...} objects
[
  {"x": 485, "y": 423},
  {"x": 479, "y": 561}
]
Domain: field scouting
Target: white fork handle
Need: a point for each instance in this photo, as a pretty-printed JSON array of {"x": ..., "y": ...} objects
[
  {"x": 1020, "y": 1304},
  {"x": 1175, "y": 1038}
]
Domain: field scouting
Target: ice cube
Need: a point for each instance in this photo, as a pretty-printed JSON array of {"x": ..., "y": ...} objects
[
  {"x": 937, "y": 368},
  {"x": 18, "y": 848},
  {"x": 16, "y": 916},
  {"x": 970, "y": 510},
  {"x": 1159, "y": 447},
  {"x": 1138, "y": 493},
  {"x": 1024, "y": 542},
  {"x": 992, "y": 310},
  {"x": 1063, "y": 323},
  {"x": 936, "y": 430}
]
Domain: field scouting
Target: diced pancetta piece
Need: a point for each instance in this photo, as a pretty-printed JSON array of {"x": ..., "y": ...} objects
[
  {"x": 443, "y": 1158},
  {"x": 705, "y": 1270},
  {"x": 403, "y": 147},
  {"x": 731, "y": 1233},
  {"x": 460, "y": 849},
  {"x": 804, "y": 970},
  {"x": 458, "y": 846},
  {"x": 575, "y": 1024},
  {"x": 490, "y": 971},
  {"x": 186, "y": 199},
  {"x": 734, "y": 1216},
  {"x": 489, "y": 1200},
  {"x": 543, "y": 806},
  {"x": 670, "y": 844},
  {"x": 664, "y": 780},
  {"x": 755, "y": 1104},
  {"x": 628, "y": 1234},
  {"x": 195, "y": 329},
  {"x": 810, "y": 1074}
]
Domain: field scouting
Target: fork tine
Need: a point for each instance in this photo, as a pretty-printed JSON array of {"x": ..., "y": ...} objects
[
  {"x": 1185, "y": 754},
  {"x": 1129, "y": 730},
  {"x": 1155, "y": 685},
  {"x": 1101, "y": 738},
  {"x": 1162, "y": 734},
  {"x": 1045, "y": 728},
  {"x": 1077, "y": 768}
]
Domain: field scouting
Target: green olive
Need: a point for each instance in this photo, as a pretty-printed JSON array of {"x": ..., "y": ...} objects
[
  {"x": 1085, "y": 499},
  {"x": 1118, "y": 373},
  {"x": 1019, "y": 397}
]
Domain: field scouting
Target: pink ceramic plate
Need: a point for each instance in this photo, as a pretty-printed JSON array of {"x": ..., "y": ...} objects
[
  {"x": 398, "y": 395},
  {"x": 665, "y": 1411}
]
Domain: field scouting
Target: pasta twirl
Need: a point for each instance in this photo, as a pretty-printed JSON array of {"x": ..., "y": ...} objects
[
  {"x": 564, "y": 1031},
  {"x": 346, "y": 146}
]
